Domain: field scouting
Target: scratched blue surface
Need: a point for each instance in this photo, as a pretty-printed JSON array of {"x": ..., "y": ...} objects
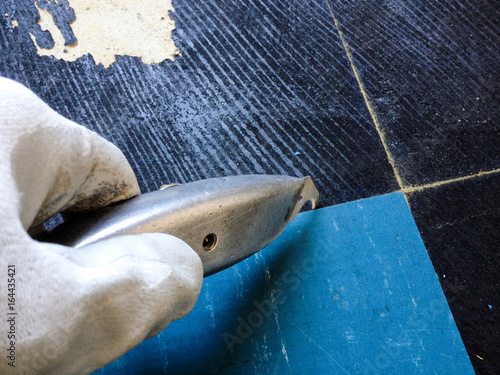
[{"x": 345, "y": 289}]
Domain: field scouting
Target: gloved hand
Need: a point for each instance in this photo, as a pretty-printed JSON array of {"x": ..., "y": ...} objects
[{"x": 77, "y": 310}]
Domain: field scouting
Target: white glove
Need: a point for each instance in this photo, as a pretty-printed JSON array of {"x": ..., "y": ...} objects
[{"x": 77, "y": 310}]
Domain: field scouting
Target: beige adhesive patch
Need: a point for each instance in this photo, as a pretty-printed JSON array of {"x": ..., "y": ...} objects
[
  {"x": 13, "y": 22},
  {"x": 108, "y": 28}
]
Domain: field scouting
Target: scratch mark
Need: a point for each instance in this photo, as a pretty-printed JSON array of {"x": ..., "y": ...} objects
[
  {"x": 283, "y": 350},
  {"x": 323, "y": 350},
  {"x": 175, "y": 230},
  {"x": 237, "y": 282}
]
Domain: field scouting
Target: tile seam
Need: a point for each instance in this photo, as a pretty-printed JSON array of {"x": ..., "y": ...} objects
[
  {"x": 367, "y": 101},
  {"x": 407, "y": 190},
  {"x": 412, "y": 189}
]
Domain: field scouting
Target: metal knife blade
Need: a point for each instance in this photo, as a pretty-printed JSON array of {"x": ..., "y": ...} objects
[{"x": 225, "y": 220}]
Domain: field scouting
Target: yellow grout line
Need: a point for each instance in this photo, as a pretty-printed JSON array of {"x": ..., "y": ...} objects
[
  {"x": 405, "y": 189},
  {"x": 367, "y": 101},
  {"x": 412, "y": 189}
]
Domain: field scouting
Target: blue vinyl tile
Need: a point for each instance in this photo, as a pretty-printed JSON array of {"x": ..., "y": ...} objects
[{"x": 345, "y": 289}]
